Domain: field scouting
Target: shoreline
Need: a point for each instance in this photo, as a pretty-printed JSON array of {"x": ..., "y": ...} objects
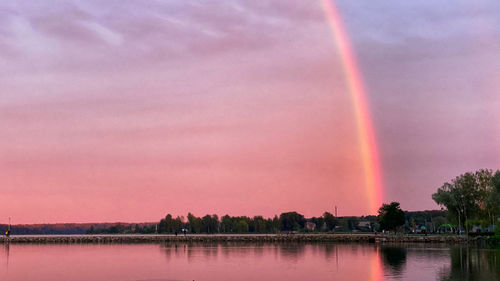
[{"x": 245, "y": 238}]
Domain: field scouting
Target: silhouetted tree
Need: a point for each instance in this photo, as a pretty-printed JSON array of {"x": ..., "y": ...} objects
[
  {"x": 194, "y": 223},
  {"x": 226, "y": 224},
  {"x": 241, "y": 227},
  {"x": 292, "y": 221},
  {"x": 259, "y": 224},
  {"x": 330, "y": 220},
  {"x": 391, "y": 216}
]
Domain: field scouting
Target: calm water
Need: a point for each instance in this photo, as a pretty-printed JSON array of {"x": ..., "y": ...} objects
[{"x": 261, "y": 262}]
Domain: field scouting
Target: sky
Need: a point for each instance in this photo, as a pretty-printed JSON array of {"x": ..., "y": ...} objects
[{"x": 129, "y": 110}]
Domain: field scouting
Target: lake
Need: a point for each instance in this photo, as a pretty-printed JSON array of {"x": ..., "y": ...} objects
[{"x": 237, "y": 261}]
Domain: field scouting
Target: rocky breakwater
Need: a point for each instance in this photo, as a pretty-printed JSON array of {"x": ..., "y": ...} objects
[
  {"x": 245, "y": 238},
  {"x": 448, "y": 239}
]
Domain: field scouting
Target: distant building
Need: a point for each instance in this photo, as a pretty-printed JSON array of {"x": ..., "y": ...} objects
[
  {"x": 310, "y": 226},
  {"x": 363, "y": 224}
]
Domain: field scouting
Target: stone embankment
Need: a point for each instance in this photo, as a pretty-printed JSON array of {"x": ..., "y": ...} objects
[{"x": 271, "y": 238}]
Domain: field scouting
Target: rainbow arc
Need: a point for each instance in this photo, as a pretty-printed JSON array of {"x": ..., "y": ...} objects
[{"x": 366, "y": 134}]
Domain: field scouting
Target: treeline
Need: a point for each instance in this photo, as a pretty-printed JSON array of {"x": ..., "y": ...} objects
[
  {"x": 209, "y": 224},
  {"x": 68, "y": 228},
  {"x": 63, "y": 228},
  {"x": 122, "y": 228},
  {"x": 285, "y": 222},
  {"x": 291, "y": 221}
]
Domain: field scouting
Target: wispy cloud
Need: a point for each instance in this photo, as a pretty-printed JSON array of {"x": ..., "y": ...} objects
[{"x": 211, "y": 99}]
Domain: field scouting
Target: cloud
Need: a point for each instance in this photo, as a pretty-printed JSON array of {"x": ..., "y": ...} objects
[
  {"x": 158, "y": 30},
  {"x": 211, "y": 99}
]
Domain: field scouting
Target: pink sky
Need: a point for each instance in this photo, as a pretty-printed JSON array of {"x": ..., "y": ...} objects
[{"x": 126, "y": 111}]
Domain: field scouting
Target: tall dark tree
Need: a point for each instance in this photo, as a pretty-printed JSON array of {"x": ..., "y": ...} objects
[
  {"x": 241, "y": 226},
  {"x": 390, "y": 216},
  {"x": 320, "y": 223},
  {"x": 292, "y": 221},
  {"x": 275, "y": 224},
  {"x": 259, "y": 224},
  {"x": 194, "y": 223},
  {"x": 330, "y": 220},
  {"x": 206, "y": 224},
  {"x": 168, "y": 224},
  {"x": 226, "y": 224},
  {"x": 177, "y": 224}
]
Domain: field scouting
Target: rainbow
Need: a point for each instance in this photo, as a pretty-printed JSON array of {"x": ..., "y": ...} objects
[{"x": 366, "y": 134}]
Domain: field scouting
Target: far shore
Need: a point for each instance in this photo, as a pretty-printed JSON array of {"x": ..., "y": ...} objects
[{"x": 254, "y": 238}]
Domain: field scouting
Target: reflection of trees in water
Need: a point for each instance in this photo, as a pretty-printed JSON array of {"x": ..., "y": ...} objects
[
  {"x": 173, "y": 250},
  {"x": 472, "y": 264},
  {"x": 188, "y": 250},
  {"x": 6, "y": 249},
  {"x": 291, "y": 252},
  {"x": 394, "y": 258},
  {"x": 330, "y": 249}
]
